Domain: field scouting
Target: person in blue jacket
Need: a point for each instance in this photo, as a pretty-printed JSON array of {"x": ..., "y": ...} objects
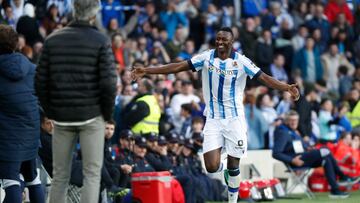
[
  {"x": 290, "y": 148},
  {"x": 19, "y": 121}
]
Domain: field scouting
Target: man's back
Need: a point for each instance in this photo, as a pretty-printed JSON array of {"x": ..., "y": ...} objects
[{"x": 76, "y": 75}]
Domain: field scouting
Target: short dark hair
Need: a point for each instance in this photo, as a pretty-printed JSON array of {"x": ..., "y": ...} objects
[
  {"x": 111, "y": 122},
  {"x": 187, "y": 107},
  {"x": 8, "y": 39},
  {"x": 227, "y": 29}
]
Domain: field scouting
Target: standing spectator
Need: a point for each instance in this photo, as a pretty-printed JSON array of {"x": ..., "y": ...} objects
[
  {"x": 143, "y": 113},
  {"x": 331, "y": 62},
  {"x": 111, "y": 9},
  {"x": 264, "y": 51},
  {"x": 77, "y": 101},
  {"x": 334, "y": 7},
  {"x": 319, "y": 20},
  {"x": 307, "y": 60},
  {"x": 9, "y": 18},
  {"x": 248, "y": 37},
  {"x": 299, "y": 13},
  {"x": 345, "y": 81},
  {"x": 19, "y": 121},
  {"x": 172, "y": 19},
  {"x": 120, "y": 52}
]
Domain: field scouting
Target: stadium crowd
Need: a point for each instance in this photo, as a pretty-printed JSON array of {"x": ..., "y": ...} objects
[{"x": 157, "y": 121}]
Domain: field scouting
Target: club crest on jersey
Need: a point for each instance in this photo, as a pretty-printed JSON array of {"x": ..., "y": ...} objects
[{"x": 235, "y": 63}]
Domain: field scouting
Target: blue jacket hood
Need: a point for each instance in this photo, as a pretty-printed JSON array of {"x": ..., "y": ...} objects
[{"x": 14, "y": 66}]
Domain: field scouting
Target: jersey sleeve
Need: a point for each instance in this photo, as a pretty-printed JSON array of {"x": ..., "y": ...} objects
[
  {"x": 197, "y": 62},
  {"x": 250, "y": 68}
]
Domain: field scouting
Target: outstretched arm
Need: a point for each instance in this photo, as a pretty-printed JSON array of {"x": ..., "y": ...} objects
[
  {"x": 162, "y": 69},
  {"x": 275, "y": 84}
]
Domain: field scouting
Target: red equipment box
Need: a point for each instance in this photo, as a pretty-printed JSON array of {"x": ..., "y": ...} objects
[{"x": 152, "y": 187}]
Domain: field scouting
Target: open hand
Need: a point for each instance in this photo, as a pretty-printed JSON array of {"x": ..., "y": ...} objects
[
  {"x": 297, "y": 161},
  {"x": 137, "y": 72},
  {"x": 294, "y": 91}
]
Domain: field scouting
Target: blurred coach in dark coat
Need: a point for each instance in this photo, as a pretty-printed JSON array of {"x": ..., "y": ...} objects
[{"x": 76, "y": 85}]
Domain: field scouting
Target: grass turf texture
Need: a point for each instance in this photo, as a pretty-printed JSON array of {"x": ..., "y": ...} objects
[{"x": 320, "y": 198}]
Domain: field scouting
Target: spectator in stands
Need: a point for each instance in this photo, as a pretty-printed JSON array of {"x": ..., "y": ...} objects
[
  {"x": 17, "y": 7},
  {"x": 284, "y": 105},
  {"x": 277, "y": 68},
  {"x": 264, "y": 51},
  {"x": 9, "y": 18},
  {"x": 72, "y": 111},
  {"x": 186, "y": 96},
  {"x": 188, "y": 51},
  {"x": 276, "y": 18},
  {"x": 113, "y": 26},
  {"x": 298, "y": 41},
  {"x": 112, "y": 9},
  {"x": 143, "y": 112},
  {"x": 185, "y": 114},
  {"x": 307, "y": 60},
  {"x": 331, "y": 62},
  {"x": 19, "y": 123},
  {"x": 28, "y": 26},
  {"x": 159, "y": 52},
  {"x": 320, "y": 21},
  {"x": 304, "y": 107},
  {"x": 121, "y": 53},
  {"x": 345, "y": 81},
  {"x": 266, "y": 106},
  {"x": 334, "y": 7},
  {"x": 52, "y": 20},
  {"x": 248, "y": 37},
  {"x": 172, "y": 19},
  {"x": 64, "y": 6},
  {"x": 292, "y": 150},
  {"x": 327, "y": 132},
  {"x": 299, "y": 13},
  {"x": 345, "y": 44},
  {"x": 256, "y": 122}
]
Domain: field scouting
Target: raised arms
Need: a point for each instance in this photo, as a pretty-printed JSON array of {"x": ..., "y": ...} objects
[{"x": 139, "y": 72}]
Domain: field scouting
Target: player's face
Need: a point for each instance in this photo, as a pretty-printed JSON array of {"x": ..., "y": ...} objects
[{"x": 224, "y": 41}]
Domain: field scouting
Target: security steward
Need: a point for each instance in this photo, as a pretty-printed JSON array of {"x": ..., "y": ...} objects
[{"x": 143, "y": 112}]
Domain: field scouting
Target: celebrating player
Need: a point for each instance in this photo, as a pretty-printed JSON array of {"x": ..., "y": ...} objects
[{"x": 224, "y": 74}]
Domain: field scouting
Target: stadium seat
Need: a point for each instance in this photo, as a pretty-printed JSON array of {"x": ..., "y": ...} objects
[{"x": 298, "y": 177}]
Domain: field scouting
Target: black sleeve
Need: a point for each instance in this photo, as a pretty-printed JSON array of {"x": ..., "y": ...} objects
[
  {"x": 107, "y": 81},
  {"x": 335, "y": 121},
  {"x": 42, "y": 78},
  {"x": 192, "y": 67},
  {"x": 137, "y": 113}
]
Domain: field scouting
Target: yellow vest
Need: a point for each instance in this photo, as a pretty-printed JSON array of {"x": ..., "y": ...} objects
[
  {"x": 151, "y": 122},
  {"x": 354, "y": 116}
]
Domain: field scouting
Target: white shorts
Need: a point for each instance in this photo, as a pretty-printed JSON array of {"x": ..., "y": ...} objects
[{"x": 229, "y": 134}]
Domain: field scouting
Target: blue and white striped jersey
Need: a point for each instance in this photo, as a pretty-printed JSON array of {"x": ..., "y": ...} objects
[{"x": 223, "y": 82}]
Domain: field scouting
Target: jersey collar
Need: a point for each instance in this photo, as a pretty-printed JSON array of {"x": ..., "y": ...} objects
[{"x": 232, "y": 54}]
